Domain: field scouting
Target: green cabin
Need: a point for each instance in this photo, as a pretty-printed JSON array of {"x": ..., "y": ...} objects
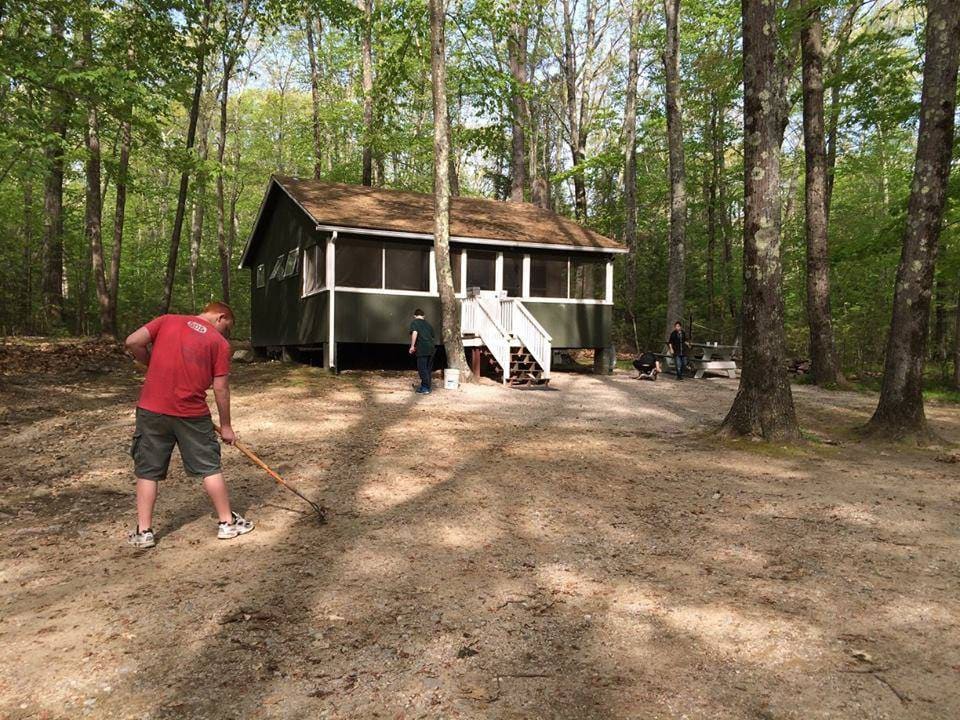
[{"x": 335, "y": 265}]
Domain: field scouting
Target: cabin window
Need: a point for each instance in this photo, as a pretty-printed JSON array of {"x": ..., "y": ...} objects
[
  {"x": 313, "y": 269},
  {"x": 290, "y": 267},
  {"x": 455, "y": 266},
  {"x": 588, "y": 278},
  {"x": 548, "y": 276},
  {"x": 261, "y": 276},
  {"x": 513, "y": 273},
  {"x": 276, "y": 273},
  {"x": 482, "y": 269},
  {"x": 406, "y": 267},
  {"x": 359, "y": 263}
]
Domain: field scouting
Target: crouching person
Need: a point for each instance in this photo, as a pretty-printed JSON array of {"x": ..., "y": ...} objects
[
  {"x": 647, "y": 366},
  {"x": 184, "y": 355}
]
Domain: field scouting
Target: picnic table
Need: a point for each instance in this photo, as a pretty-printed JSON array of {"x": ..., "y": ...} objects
[{"x": 708, "y": 358}]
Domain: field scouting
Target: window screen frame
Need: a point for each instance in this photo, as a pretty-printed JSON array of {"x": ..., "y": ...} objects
[{"x": 315, "y": 254}]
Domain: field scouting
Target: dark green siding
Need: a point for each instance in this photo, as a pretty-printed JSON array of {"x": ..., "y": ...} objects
[
  {"x": 376, "y": 318},
  {"x": 572, "y": 325},
  {"x": 278, "y": 315}
]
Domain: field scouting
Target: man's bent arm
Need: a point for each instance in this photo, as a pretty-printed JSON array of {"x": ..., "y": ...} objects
[
  {"x": 137, "y": 343},
  {"x": 221, "y": 393},
  {"x": 413, "y": 341}
]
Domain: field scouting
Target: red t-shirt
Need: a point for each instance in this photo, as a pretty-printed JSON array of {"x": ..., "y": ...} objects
[{"x": 188, "y": 353}]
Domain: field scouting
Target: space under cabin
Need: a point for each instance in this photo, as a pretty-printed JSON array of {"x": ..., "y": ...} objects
[{"x": 337, "y": 267}]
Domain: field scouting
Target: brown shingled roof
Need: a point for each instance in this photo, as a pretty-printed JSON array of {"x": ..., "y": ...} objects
[{"x": 358, "y": 206}]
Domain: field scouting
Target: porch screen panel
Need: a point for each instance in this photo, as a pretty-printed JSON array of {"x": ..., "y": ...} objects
[
  {"x": 359, "y": 263},
  {"x": 482, "y": 269},
  {"x": 513, "y": 273},
  {"x": 588, "y": 278},
  {"x": 455, "y": 255},
  {"x": 548, "y": 276},
  {"x": 408, "y": 267}
]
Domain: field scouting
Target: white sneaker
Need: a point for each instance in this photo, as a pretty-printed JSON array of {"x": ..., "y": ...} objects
[
  {"x": 239, "y": 526},
  {"x": 143, "y": 539}
]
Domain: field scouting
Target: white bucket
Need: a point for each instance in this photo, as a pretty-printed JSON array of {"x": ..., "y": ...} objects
[{"x": 451, "y": 379}]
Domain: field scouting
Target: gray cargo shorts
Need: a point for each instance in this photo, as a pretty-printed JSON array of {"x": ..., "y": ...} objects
[{"x": 156, "y": 434}]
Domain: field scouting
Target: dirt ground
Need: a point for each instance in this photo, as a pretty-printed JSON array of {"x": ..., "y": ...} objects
[{"x": 586, "y": 552}]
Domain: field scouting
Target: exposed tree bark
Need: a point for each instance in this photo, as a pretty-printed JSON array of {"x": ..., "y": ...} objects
[
  {"x": 763, "y": 405},
  {"x": 53, "y": 201},
  {"x": 230, "y": 54},
  {"x": 199, "y": 206},
  {"x": 956, "y": 340},
  {"x": 577, "y": 140},
  {"x": 171, "y": 271},
  {"x": 93, "y": 218},
  {"x": 676, "y": 278},
  {"x": 366, "y": 59},
  {"x": 900, "y": 411},
  {"x": 315, "y": 25},
  {"x": 713, "y": 181},
  {"x": 823, "y": 361},
  {"x": 26, "y": 286},
  {"x": 940, "y": 326},
  {"x": 120, "y": 206},
  {"x": 630, "y": 160},
  {"x": 519, "y": 116},
  {"x": 449, "y": 307}
]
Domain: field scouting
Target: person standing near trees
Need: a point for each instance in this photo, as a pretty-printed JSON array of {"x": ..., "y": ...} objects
[
  {"x": 184, "y": 355},
  {"x": 422, "y": 343},
  {"x": 678, "y": 348}
]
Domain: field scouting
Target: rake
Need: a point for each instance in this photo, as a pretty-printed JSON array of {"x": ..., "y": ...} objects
[{"x": 252, "y": 456}]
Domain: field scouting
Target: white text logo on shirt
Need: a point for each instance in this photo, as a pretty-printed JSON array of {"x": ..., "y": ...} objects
[{"x": 193, "y": 324}]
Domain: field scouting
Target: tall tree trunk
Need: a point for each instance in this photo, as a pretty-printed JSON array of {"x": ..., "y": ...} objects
[
  {"x": 449, "y": 307},
  {"x": 763, "y": 405},
  {"x": 454, "y": 173},
  {"x": 199, "y": 207},
  {"x": 53, "y": 214},
  {"x": 93, "y": 221},
  {"x": 123, "y": 165},
  {"x": 678, "y": 193},
  {"x": 630, "y": 160},
  {"x": 900, "y": 410},
  {"x": 956, "y": 340},
  {"x": 517, "y": 58},
  {"x": 366, "y": 59},
  {"x": 312, "y": 22},
  {"x": 726, "y": 228},
  {"x": 573, "y": 119},
  {"x": 221, "y": 190},
  {"x": 823, "y": 360},
  {"x": 940, "y": 326},
  {"x": 711, "y": 193},
  {"x": 26, "y": 286},
  {"x": 171, "y": 271}
]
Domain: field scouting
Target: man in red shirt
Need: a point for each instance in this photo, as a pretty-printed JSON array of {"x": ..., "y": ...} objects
[{"x": 184, "y": 355}]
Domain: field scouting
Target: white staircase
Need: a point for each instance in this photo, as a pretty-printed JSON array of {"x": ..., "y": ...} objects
[{"x": 516, "y": 343}]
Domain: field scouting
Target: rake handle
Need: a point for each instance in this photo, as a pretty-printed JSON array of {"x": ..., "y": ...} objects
[{"x": 252, "y": 456}]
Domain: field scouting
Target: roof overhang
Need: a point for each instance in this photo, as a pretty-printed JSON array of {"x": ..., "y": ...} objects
[{"x": 411, "y": 235}]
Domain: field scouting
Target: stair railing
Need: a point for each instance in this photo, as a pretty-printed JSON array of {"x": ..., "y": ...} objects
[
  {"x": 524, "y": 326},
  {"x": 477, "y": 319}
]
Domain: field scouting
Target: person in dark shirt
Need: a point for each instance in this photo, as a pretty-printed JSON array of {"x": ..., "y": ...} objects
[
  {"x": 647, "y": 366},
  {"x": 422, "y": 343},
  {"x": 678, "y": 343}
]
